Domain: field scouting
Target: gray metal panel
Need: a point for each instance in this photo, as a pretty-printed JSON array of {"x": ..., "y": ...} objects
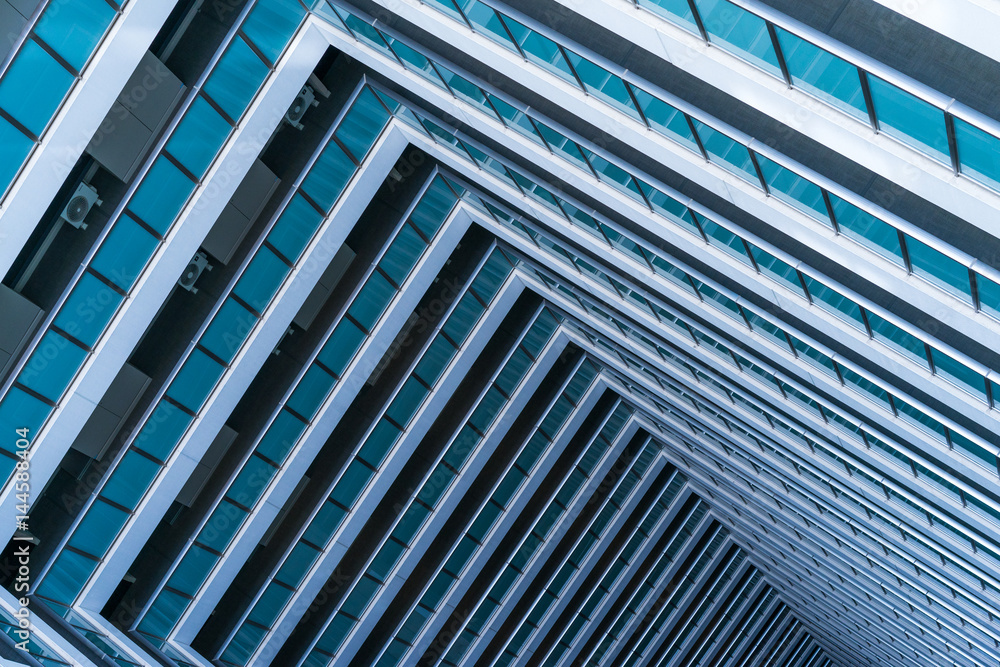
[
  {"x": 109, "y": 415},
  {"x": 20, "y": 318},
  {"x": 13, "y": 21},
  {"x": 196, "y": 481}
]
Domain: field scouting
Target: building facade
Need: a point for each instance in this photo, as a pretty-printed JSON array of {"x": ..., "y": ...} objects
[{"x": 468, "y": 332}]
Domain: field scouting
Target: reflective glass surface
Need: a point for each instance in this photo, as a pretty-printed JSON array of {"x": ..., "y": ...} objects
[
  {"x": 33, "y": 87},
  {"x": 823, "y": 74},
  {"x": 124, "y": 253},
  {"x": 909, "y": 119},
  {"x": 236, "y": 78}
]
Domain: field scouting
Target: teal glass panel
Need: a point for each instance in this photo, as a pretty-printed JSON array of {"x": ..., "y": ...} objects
[
  {"x": 866, "y": 229},
  {"x": 269, "y": 605},
  {"x": 99, "y": 527},
  {"x": 407, "y": 400},
  {"x": 465, "y": 89},
  {"x": 326, "y": 521},
  {"x": 299, "y": 560},
  {"x": 402, "y": 254},
  {"x": 970, "y": 449},
  {"x": 776, "y": 269},
  {"x": 793, "y": 189},
  {"x": 328, "y": 176},
  {"x": 221, "y": 526},
  {"x": 229, "y": 328},
  {"x": 364, "y": 592},
  {"x": 124, "y": 253},
  {"x": 988, "y": 292},
  {"x": 351, "y": 484},
  {"x": 724, "y": 239},
  {"x": 909, "y": 119},
  {"x": 463, "y": 318},
  {"x": 415, "y": 62},
  {"x": 386, "y": 558},
  {"x": 199, "y": 136},
  {"x": 52, "y": 366},
  {"x": 314, "y": 386},
  {"x": 378, "y": 443},
  {"x": 372, "y": 301},
  {"x": 280, "y": 436},
  {"x": 939, "y": 269},
  {"x": 33, "y": 87},
  {"x": 485, "y": 20},
  {"x": 331, "y": 639},
  {"x": 436, "y": 485},
  {"x": 540, "y": 50},
  {"x": 196, "y": 379},
  {"x": 343, "y": 344},
  {"x": 192, "y": 571},
  {"x": 489, "y": 406},
  {"x": 484, "y": 522},
  {"x": 901, "y": 341},
  {"x": 132, "y": 476},
  {"x": 73, "y": 29},
  {"x": 362, "y": 124},
  {"x": 665, "y": 119},
  {"x": 250, "y": 483},
  {"x": 959, "y": 374},
  {"x": 676, "y": 11},
  {"x": 67, "y": 577},
  {"x": 88, "y": 309},
  {"x": 823, "y": 74},
  {"x": 515, "y": 119},
  {"x": 446, "y": 6},
  {"x": 271, "y": 24},
  {"x": 161, "y": 195},
  {"x": 602, "y": 84},
  {"x": 491, "y": 276},
  {"x": 562, "y": 145},
  {"x": 14, "y": 149},
  {"x": 410, "y": 523},
  {"x": 835, "y": 303},
  {"x": 513, "y": 371},
  {"x": 163, "y": 615},
  {"x": 434, "y": 360},
  {"x": 432, "y": 209},
  {"x": 261, "y": 279},
  {"x": 738, "y": 31},
  {"x": 727, "y": 152},
  {"x": 919, "y": 418},
  {"x": 163, "y": 430},
  {"x": 236, "y": 78},
  {"x": 978, "y": 153},
  {"x": 18, "y": 410}
]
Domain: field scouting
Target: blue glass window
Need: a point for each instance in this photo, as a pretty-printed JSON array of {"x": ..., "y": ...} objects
[
  {"x": 540, "y": 50},
  {"x": 261, "y": 279},
  {"x": 959, "y": 374},
  {"x": 463, "y": 318},
  {"x": 161, "y": 195},
  {"x": 14, "y": 149},
  {"x": 195, "y": 380},
  {"x": 326, "y": 521},
  {"x": 269, "y": 605},
  {"x": 328, "y": 176},
  {"x": 722, "y": 238},
  {"x": 978, "y": 153},
  {"x": 192, "y": 571},
  {"x": 362, "y": 124},
  {"x": 229, "y": 328},
  {"x": 407, "y": 400},
  {"x": 485, "y": 20},
  {"x": 792, "y": 189},
  {"x": 905, "y": 343},
  {"x": 402, "y": 254},
  {"x": 88, "y": 309},
  {"x": 823, "y": 74},
  {"x": 67, "y": 577},
  {"x": 21, "y": 410},
  {"x": 866, "y": 229},
  {"x": 738, "y": 31},
  {"x": 835, "y": 303},
  {"x": 74, "y": 29},
  {"x": 99, "y": 527},
  {"x": 162, "y": 430},
  {"x": 434, "y": 360},
  {"x": 198, "y": 138},
  {"x": 415, "y": 62},
  {"x": 602, "y": 84},
  {"x": 280, "y": 436},
  {"x": 410, "y": 523},
  {"x": 989, "y": 297},
  {"x": 351, "y": 484},
  {"x": 221, "y": 526},
  {"x": 52, "y": 366},
  {"x": 33, "y": 87},
  {"x": 271, "y": 25},
  {"x": 251, "y": 481},
  {"x": 727, "y": 152},
  {"x": 676, "y": 11},
  {"x": 939, "y": 269},
  {"x": 432, "y": 209},
  {"x": 372, "y": 301},
  {"x": 378, "y": 443},
  {"x": 343, "y": 344},
  {"x": 163, "y": 614},
  {"x": 124, "y": 253},
  {"x": 776, "y": 269},
  {"x": 299, "y": 560},
  {"x": 310, "y": 391},
  {"x": 665, "y": 119},
  {"x": 236, "y": 78},
  {"x": 132, "y": 476},
  {"x": 465, "y": 89},
  {"x": 909, "y": 119}
]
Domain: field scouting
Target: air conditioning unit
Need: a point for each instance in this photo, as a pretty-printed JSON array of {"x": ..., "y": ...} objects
[
  {"x": 79, "y": 205},
  {"x": 195, "y": 267},
  {"x": 305, "y": 99}
]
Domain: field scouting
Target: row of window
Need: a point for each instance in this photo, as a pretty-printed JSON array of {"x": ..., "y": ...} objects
[
  {"x": 43, "y": 71},
  {"x": 150, "y": 212},
  {"x": 425, "y": 501},
  {"x": 321, "y": 529},
  {"x": 541, "y": 530},
  {"x": 914, "y": 255},
  {"x": 203, "y": 368},
  {"x": 481, "y": 528},
  {"x": 373, "y": 298},
  {"x": 549, "y": 593}
]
